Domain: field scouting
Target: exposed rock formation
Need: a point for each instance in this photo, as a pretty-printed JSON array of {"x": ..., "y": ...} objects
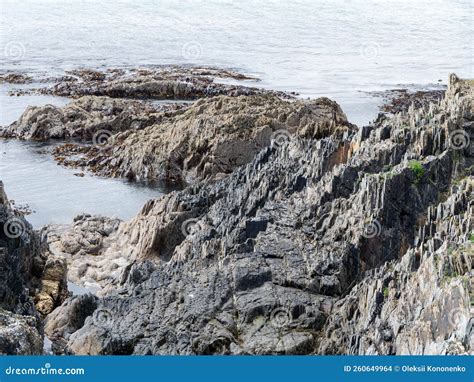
[
  {"x": 19, "y": 334},
  {"x": 211, "y": 137},
  {"x": 354, "y": 243},
  {"x": 15, "y": 78},
  {"x": 319, "y": 239},
  {"x": 167, "y": 82},
  {"x": 82, "y": 244},
  {"x": 400, "y": 100},
  {"x": 31, "y": 284},
  {"x": 69, "y": 318},
  {"x": 84, "y": 117},
  {"x": 420, "y": 304}
]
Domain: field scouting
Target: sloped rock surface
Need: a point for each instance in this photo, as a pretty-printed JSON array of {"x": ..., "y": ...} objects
[
  {"x": 421, "y": 304},
  {"x": 82, "y": 245},
  {"x": 212, "y": 137},
  {"x": 31, "y": 284},
  {"x": 84, "y": 118},
  {"x": 18, "y": 249},
  {"x": 346, "y": 243}
]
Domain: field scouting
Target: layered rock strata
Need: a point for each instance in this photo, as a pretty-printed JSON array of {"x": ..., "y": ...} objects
[
  {"x": 356, "y": 242},
  {"x": 209, "y": 139}
]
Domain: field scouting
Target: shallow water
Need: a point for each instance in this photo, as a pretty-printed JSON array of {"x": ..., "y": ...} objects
[
  {"x": 78, "y": 290},
  {"x": 11, "y": 107},
  {"x": 32, "y": 178}
]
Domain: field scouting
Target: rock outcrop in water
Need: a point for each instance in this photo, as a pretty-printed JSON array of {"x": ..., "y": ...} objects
[
  {"x": 209, "y": 138},
  {"x": 167, "y": 82},
  {"x": 349, "y": 243},
  {"x": 317, "y": 238},
  {"x": 85, "y": 117}
]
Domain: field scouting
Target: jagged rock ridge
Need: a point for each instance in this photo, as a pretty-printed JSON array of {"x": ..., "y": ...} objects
[{"x": 355, "y": 243}]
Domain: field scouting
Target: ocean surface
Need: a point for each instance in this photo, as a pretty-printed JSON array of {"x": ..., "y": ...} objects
[{"x": 342, "y": 49}]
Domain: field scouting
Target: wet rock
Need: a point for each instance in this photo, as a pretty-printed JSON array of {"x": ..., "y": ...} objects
[
  {"x": 15, "y": 78},
  {"x": 400, "y": 100}
]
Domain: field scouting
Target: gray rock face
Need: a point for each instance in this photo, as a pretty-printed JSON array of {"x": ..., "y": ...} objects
[
  {"x": 31, "y": 286},
  {"x": 420, "y": 304},
  {"x": 18, "y": 249},
  {"x": 19, "y": 334},
  {"x": 349, "y": 243}
]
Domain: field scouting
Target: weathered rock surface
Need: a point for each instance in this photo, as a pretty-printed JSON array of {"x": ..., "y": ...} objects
[
  {"x": 420, "y": 304},
  {"x": 68, "y": 318},
  {"x": 19, "y": 334},
  {"x": 400, "y": 100},
  {"x": 321, "y": 240},
  {"x": 167, "y": 82},
  {"x": 85, "y": 117},
  {"x": 31, "y": 284},
  {"x": 15, "y": 78},
  {"x": 82, "y": 245},
  {"x": 353, "y": 243},
  {"x": 211, "y": 137}
]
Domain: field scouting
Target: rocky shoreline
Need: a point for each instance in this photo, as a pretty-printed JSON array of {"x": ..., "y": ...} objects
[{"x": 295, "y": 232}]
